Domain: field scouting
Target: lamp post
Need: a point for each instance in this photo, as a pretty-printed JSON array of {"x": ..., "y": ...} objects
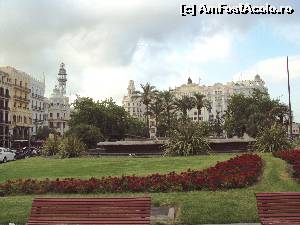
[{"x": 290, "y": 107}]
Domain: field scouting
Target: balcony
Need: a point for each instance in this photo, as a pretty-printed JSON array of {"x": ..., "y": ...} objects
[
  {"x": 5, "y": 122},
  {"x": 22, "y": 88},
  {"x": 20, "y": 98}
]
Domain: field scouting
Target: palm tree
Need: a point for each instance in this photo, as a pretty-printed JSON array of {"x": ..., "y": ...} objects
[
  {"x": 147, "y": 95},
  {"x": 185, "y": 104},
  {"x": 201, "y": 102},
  {"x": 168, "y": 99},
  {"x": 156, "y": 107}
]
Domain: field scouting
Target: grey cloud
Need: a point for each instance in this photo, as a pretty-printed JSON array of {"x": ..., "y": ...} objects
[{"x": 37, "y": 35}]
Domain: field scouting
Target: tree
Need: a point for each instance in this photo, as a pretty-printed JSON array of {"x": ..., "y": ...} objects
[
  {"x": 217, "y": 125},
  {"x": 156, "y": 107},
  {"x": 168, "y": 100},
  {"x": 111, "y": 119},
  {"x": 43, "y": 133},
  {"x": 201, "y": 102},
  {"x": 249, "y": 114},
  {"x": 185, "y": 104},
  {"x": 136, "y": 128},
  {"x": 147, "y": 95},
  {"x": 89, "y": 134}
]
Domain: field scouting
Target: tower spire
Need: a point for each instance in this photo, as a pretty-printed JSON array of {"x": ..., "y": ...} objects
[{"x": 62, "y": 79}]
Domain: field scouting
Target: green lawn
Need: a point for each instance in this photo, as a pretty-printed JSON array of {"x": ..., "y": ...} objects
[{"x": 195, "y": 207}]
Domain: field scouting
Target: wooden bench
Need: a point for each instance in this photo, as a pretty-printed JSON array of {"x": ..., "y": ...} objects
[
  {"x": 279, "y": 208},
  {"x": 112, "y": 211}
]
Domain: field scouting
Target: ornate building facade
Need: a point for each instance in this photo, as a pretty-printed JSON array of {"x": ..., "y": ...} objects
[
  {"x": 132, "y": 104},
  {"x": 58, "y": 104},
  {"x": 20, "y": 112},
  {"x": 217, "y": 94},
  {"x": 5, "y": 105},
  {"x": 38, "y": 104}
]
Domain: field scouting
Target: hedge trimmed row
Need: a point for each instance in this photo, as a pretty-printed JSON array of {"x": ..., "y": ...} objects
[{"x": 237, "y": 172}]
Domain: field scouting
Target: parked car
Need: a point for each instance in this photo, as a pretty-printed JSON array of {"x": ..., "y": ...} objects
[
  {"x": 27, "y": 152},
  {"x": 6, "y": 155}
]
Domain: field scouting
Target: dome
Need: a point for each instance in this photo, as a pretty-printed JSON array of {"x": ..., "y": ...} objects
[{"x": 257, "y": 77}]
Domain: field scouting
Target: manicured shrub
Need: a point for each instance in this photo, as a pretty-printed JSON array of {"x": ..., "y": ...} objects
[
  {"x": 71, "y": 146},
  {"x": 238, "y": 172},
  {"x": 50, "y": 147}
]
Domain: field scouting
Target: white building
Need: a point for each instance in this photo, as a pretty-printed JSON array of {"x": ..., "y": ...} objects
[
  {"x": 132, "y": 104},
  {"x": 37, "y": 104},
  {"x": 296, "y": 129},
  {"x": 218, "y": 95},
  {"x": 58, "y": 104}
]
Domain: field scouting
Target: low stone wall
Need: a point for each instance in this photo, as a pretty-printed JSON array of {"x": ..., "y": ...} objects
[{"x": 154, "y": 147}]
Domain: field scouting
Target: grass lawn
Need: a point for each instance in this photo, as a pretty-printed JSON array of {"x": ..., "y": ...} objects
[{"x": 197, "y": 207}]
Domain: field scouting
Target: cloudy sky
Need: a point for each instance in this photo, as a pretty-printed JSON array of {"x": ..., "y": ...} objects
[{"x": 105, "y": 43}]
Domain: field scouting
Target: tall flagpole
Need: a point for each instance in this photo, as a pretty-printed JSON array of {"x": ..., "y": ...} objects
[{"x": 289, "y": 90}]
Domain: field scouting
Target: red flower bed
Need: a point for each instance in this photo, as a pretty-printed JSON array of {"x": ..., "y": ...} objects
[
  {"x": 237, "y": 172},
  {"x": 292, "y": 157}
]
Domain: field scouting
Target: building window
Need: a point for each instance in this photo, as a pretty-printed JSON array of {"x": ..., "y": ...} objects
[
  {"x": 57, "y": 115},
  {"x": 50, "y": 114}
]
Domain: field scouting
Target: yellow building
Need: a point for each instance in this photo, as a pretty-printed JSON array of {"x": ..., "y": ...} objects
[{"x": 20, "y": 113}]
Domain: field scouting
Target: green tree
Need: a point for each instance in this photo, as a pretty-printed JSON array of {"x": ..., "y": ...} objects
[
  {"x": 156, "y": 107},
  {"x": 168, "y": 115},
  {"x": 89, "y": 134},
  {"x": 43, "y": 133},
  {"x": 248, "y": 114},
  {"x": 147, "y": 95},
  {"x": 110, "y": 118},
  {"x": 217, "y": 125},
  {"x": 185, "y": 104},
  {"x": 201, "y": 102},
  {"x": 136, "y": 128}
]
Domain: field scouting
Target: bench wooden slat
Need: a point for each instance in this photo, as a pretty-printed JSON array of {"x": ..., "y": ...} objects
[
  {"x": 279, "y": 208},
  {"x": 130, "y": 210}
]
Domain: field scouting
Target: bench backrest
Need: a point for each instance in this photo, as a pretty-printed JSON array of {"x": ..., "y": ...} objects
[
  {"x": 91, "y": 211},
  {"x": 279, "y": 207}
]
